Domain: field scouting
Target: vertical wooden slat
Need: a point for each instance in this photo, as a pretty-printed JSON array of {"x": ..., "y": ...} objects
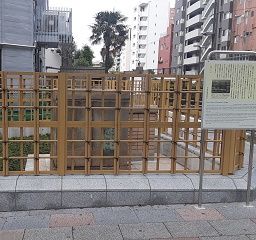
[
  {"x": 62, "y": 123},
  {"x": 36, "y": 123},
  {"x": 5, "y": 125}
]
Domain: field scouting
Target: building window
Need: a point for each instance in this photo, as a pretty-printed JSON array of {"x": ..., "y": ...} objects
[
  {"x": 175, "y": 59},
  {"x": 161, "y": 47},
  {"x": 178, "y": 10},
  {"x": 236, "y": 39},
  {"x": 252, "y": 13},
  {"x": 246, "y": 17},
  {"x": 238, "y": 20},
  {"x": 153, "y": 61},
  {"x": 240, "y": 1}
]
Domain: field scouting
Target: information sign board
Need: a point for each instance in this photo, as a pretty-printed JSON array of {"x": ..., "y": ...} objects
[{"x": 229, "y": 95}]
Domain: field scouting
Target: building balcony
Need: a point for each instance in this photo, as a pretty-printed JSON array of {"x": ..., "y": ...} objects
[
  {"x": 143, "y": 41},
  {"x": 193, "y": 34},
  {"x": 194, "y": 7},
  {"x": 194, "y": 20},
  {"x": 180, "y": 48},
  {"x": 53, "y": 27},
  {"x": 192, "y": 72},
  {"x": 191, "y": 48},
  {"x": 142, "y": 50},
  {"x": 191, "y": 60},
  {"x": 143, "y": 23}
]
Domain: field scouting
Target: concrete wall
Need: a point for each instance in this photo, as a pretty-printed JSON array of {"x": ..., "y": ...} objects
[
  {"x": 17, "y": 28},
  {"x": 17, "y": 59}
]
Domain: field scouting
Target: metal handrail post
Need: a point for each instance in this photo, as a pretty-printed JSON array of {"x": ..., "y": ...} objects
[
  {"x": 250, "y": 168},
  {"x": 201, "y": 168}
]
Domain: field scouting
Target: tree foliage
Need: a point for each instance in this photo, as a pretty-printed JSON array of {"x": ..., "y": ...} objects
[
  {"x": 110, "y": 29},
  {"x": 83, "y": 57}
]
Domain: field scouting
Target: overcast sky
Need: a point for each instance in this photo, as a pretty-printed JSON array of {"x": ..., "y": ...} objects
[{"x": 84, "y": 11}]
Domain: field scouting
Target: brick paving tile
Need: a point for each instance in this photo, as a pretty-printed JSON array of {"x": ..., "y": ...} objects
[
  {"x": 12, "y": 234},
  {"x": 69, "y": 220},
  {"x": 199, "y": 214}
]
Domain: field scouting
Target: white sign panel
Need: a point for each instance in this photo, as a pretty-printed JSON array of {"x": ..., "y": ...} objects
[{"x": 229, "y": 95}]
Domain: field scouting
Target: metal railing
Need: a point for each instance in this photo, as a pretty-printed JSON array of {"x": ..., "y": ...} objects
[{"x": 68, "y": 123}]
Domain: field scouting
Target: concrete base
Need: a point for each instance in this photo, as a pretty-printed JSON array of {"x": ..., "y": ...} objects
[{"x": 78, "y": 191}]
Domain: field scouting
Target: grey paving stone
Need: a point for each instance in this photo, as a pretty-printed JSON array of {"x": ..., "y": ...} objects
[
  {"x": 174, "y": 184},
  {"x": 99, "y": 232},
  {"x": 214, "y": 182},
  {"x": 172, "y": 197},
  {"x": 2, "y": 221},
  {"x": 234, "y": 227},
  {"x": 144, "y": 231},
  {"x": 239, "y": 237},
  {"x": 12, "y": 234},
  {"x": 115, "y": 217},
  {"x": 237, "y": 211},
  {"x": 27, "y": 222},
  {"x": 190, "y": 229},
  {"x": 252, "y": 237},
  {"x": 48, "y": 234},
  {"x": 84, "y": 199},
  {"x": 157, "y": 215},
  {"x": 240, "y": 184},
  {"x": 7, "y": 201},
  {"x": 127, "y": 184},
  {"x": 38, "y": 200},
  {"x": 129, "y": 198},
  {"x": 83, "y": 184},
  {"x": 38, "y": 184},
  {"x": 7, "y": 184}
]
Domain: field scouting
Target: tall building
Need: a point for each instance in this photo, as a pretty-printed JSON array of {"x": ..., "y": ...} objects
[
  {"x": 150, "y": 19},
  {"x": 244, "y": 25},
  {"x": 125, "y": 56},
  {"x": 165, "y": 47},
  {"x": 27, "y": 28},
  {"x": 200, "y": 26}
]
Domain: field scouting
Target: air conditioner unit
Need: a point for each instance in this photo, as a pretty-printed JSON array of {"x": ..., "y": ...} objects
[{"x": 50, "y": 22}]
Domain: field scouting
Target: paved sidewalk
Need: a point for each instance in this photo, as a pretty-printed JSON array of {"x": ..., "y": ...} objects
[{"x": 222, "y": 221}]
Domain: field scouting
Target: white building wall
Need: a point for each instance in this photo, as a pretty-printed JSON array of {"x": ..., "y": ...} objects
[
  {"x": 150, "y": 19},
  {"x": 125, "y": 58},
  {"x": 52, "y": 59}
]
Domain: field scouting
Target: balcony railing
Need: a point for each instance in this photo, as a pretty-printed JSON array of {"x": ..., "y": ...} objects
[{"x": 53, "y": 26}]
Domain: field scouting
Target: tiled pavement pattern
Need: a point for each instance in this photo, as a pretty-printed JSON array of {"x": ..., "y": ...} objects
[{"x": 222, "y": 221}]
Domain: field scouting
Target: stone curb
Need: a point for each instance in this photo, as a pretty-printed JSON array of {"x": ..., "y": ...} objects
[{"x": 78, "y": 191}]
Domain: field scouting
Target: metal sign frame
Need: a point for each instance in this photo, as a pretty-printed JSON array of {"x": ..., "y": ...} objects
[{"x": 241, "y": 54}]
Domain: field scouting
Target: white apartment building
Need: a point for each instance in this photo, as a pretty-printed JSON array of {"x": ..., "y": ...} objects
[
  {"x": 150, "y": 20},
  {"x": 125, "y": 56}
]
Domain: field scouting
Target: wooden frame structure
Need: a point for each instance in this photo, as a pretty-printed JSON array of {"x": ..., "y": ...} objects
[{"x": 108, "y": 123}]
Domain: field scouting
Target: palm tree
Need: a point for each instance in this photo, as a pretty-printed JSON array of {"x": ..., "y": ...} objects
[{"x": 109, "y": 27}]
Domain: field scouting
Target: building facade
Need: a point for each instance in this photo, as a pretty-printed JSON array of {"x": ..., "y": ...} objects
[
  {"x": 150, "y": 19},
  {"x": 199, "y": 27},
  {"x": 165, "y": 47},
  {"x": 27, "y": 28},
  {"x": 244, "y": 25}
]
